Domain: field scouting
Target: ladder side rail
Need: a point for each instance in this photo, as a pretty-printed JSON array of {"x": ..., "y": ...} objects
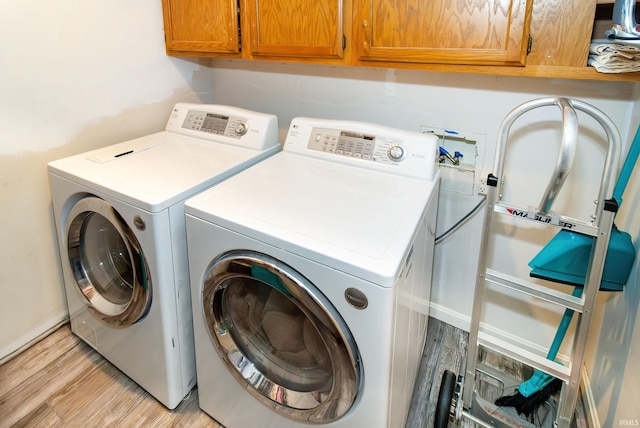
[
  {"x": 612, "y": 159},
  {"x": 478, "y": 297},
  {"x": 605, "y": 212},
  {"x": 569, "y": 395}
]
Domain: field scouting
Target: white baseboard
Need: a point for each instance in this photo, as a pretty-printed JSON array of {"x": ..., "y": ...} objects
[
  {"x": 27, "y": 340},
  {"x": 589, "y": 401},
  {"x": 453, "y": 318},
  {"x": 463, "y": 322}
]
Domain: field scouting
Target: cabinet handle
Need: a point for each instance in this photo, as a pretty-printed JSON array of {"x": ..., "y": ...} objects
[{"x": 365, "y": 43}]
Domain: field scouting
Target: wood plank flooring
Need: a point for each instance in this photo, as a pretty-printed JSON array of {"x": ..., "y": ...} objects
[
  {"x": 62, "y": 382},
  {"x": 444, "y": 349}
]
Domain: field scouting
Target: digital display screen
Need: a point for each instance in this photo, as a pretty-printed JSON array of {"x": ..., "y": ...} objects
[
  {"x": 344, "y": 143},
  {"x": 352, "y": 135},
  {"x": 355, "y": 145},
  {"x": 214, "y": 123}
]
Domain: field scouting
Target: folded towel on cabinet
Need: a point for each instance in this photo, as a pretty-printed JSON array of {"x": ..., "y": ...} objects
[{"x": 614, "y": 57}]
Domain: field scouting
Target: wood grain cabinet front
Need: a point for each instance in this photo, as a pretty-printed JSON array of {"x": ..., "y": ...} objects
[
  {"x": 535, "y": 38},
  {"x": 473, "y": 32},
  {"x": 309, "y": 31},
  {"x": 197, "y": 27},
  {"x": 296, "y": 28}
]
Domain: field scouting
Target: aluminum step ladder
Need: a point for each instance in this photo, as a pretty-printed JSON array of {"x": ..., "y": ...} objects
[{"x": 599, "y": 228}]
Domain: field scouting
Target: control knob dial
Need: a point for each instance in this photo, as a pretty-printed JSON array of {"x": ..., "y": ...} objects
[
  {"x": 241, "y": 129},
  {"x": 396, "y": 153}
]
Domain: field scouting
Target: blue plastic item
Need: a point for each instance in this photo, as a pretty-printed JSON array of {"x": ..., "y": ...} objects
[
  {"x": 540, "y": 379},
  {"x": 566, "y": 257}
]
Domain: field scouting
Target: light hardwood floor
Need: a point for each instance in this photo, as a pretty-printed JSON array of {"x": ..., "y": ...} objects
[
  {"x": 444, "y": 349},
  {"x": 62, "y": 382}
]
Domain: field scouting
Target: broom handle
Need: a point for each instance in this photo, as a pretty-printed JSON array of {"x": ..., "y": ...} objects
[
  {"x": 621, "y": 184},
  {"x": 627, "y": 168},
  {"x": 562, "y": 328}
]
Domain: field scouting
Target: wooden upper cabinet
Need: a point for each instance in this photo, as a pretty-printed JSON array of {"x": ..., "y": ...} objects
[
  {"x": 479, "y": 32},
  {"x": 296, "y": 28},
  {"x": 470, "y": 36},
  {"x": 561, "y": 32},
  {"x": 201, "y": 26}
]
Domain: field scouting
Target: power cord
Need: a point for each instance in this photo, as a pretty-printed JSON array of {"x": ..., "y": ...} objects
[{"x": 462, "y": 220}]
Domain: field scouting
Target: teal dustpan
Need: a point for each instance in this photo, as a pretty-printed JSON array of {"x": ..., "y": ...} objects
[{"x": 566, "y": 257}]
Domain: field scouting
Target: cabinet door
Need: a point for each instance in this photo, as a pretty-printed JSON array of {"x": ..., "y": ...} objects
[
  {"x": 296, "y": 28},
  {"x": 561, "y": 32},
  {"x": 478, "y": 32},
  {"x": 201, "y": 26}
]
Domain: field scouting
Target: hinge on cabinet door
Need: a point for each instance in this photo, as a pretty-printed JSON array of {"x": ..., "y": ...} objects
[
  {"x": 529, "y": 44},
  {"x": 344, "y": 42}
]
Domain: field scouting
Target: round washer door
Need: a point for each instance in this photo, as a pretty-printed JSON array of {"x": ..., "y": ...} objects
[
  {"x": 280, "y": 337},
  {"x": 107, "y": 263}
]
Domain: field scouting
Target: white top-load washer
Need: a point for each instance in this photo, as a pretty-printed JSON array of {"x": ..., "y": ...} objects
[
  {"x": 311, "y": 278},
  {"x": 119, "y": 215}
]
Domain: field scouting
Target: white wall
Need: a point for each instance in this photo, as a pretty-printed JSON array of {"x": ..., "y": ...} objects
[
  {"x": 73, "y": 76},
  {"x": 478, "y": 104}
]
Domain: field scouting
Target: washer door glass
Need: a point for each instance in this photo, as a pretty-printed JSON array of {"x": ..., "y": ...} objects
[
  {"x": 280, "y": 336},
  {"x": 107, "y": 263}
]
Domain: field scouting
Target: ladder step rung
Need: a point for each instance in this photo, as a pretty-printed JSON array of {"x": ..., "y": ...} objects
[
  {"x": 532, "y": 289},
  {"x": 527, "y": 357},
  {"x": 551, "y": 219}
]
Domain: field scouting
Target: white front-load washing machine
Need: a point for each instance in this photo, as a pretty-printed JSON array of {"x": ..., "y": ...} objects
[
  {"x": 311, "y": 279},
  {"x": 119, "y": 214}
]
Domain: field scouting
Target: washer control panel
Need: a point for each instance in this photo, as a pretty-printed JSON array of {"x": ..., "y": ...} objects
[
  {"x": 357, "y": 145},
  {"x": 366, "y": 145},
  {"x": 213, "y": 123},
  {"x": 224, "y": 124}
]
